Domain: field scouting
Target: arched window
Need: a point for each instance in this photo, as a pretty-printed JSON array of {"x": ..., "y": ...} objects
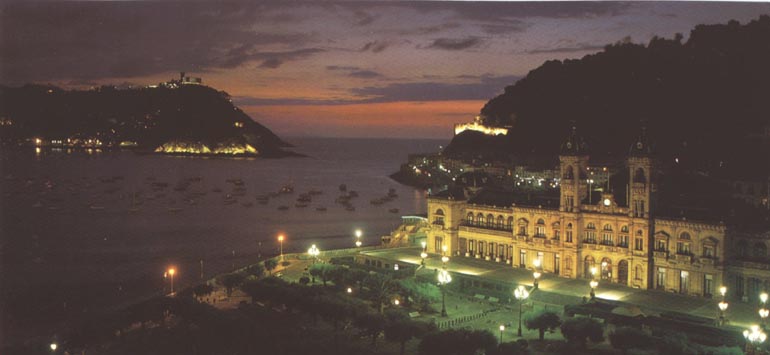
[
  {"x": 624, "y": 229},
  {"x": 499, "y": 222},
  {"x": 607, "y": 235},
  {"x": 569, "y": 173},
  {"x": 568, "y": 233},
  {"x": 685, "y": 236},
  {"x": 710, "y": 247},
  {"x": 540, "y": 228},
  {"x": 469, "y": 218},
  {"x": 556, "y": 230},
  {"x": 741, "y": 247},
  {"x": 760, "y": 250},
  {"x": 591, "y": 226},
  {"x": 608, "y": 227},
  {"x": 490, "y": 221},
  {"x": 509, "y": 225},
  {"x": 480, "y": 219},
  {"x": 438, "y": 217},
  {"x": 639, "y": 176},
  {"x": 522, "y": 223}
]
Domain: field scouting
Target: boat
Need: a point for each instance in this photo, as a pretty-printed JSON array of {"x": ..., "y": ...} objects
[
  {"x": 286, "y": 189},
  {"x": 95, "y": 207},
  {"x": 320, "y": 209},
  {"x": 283, "y": 208},
  {"x": 174, "y": 209},
  {"x": 393, "y": 210}
]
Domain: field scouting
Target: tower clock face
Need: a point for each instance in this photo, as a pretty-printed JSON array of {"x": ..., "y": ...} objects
[{"x": 607, "y": 202}]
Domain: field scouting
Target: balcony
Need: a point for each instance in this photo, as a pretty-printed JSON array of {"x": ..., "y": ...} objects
[
  {"x": 708, "y": 260},
  {"x": 661, "y": 254},
  {"x": 684, "y": 258},
  {"x": 484, "y": 229}
]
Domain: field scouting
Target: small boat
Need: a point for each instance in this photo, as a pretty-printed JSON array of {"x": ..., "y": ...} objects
[
  {"x": 96, "y": 207},
  {"x": 174, "y": 209},
  {"x": 393, "y": 210},
  {"x": 320, "y": 209},
  {"x": 283, "y": 208}
]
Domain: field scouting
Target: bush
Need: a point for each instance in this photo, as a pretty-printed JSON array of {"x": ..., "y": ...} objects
[
  {"x": 285, "y": 263},
  {"x": 624, "y": 338},
  {"x": 543, "y": 321},
  {"x": 579, "y": 330}
]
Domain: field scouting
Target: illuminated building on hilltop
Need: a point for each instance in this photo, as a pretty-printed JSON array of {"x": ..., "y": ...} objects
[
  {"x": 627, "y": 234},
  {"x": 476, "y": 125}
]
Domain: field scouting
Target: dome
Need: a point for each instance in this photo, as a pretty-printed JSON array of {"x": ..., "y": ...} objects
[{"x": 574, "y": 145}]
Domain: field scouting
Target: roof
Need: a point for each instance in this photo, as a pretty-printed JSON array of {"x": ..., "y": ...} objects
[
  {"x": 574, "y": 145},
  {"x": 452, "y": 192},
  {"x": 503, "y": 198},
  {"x": 643, "y": 146}
]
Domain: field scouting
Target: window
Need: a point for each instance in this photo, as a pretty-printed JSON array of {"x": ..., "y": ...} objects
[
  {"x": 708, "y": 285},
  {"x": 437, "y": 244},
  {"x": 683, "y": 248},
  {"x": 685, "y": 236},
  {"x": 608, "y": 227},
  {"x": 568, "y": 263},
  {"x": 540, "y": 228},
  {"x": 568, "y": 233},
  {"x": 661, "y": 279},
  {"x": 590, "y": 236},
  {"x": 469, "y": 218},
  {"x": 540, "y": 258},
  {"x": 522, "y": 258},
  {"x": 500, "y": 222},
  {"x": 623, "y": 241},
  {"x": 556, "y": 230},
  {"x": 639, "y": 244},
  {"x": 522, "y": 226},
  {"x": 742, "y": 248},
  {"x": 607, "y": 238},
  {"x": 759, "y": 251},
  {"x": 708, "y": 251},
  {"x": 684, "y": 281},
  {"x": 638, "y": 272},
  {"x": 510, "y": 223},
  {"x": 490, "y": 221},
  {"x": 480, "y": 220},
  {"x": 660, "y": 245},
  {"x": 556, "y": 264},
  {"x": 624, "y": 229}
]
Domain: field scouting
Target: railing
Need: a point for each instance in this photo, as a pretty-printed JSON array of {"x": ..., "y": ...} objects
[
  {"x": 660, "y": 254},
  {"x": 684, "y": 258}
]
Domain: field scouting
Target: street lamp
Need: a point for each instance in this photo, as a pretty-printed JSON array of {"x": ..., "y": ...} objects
[
  {"x": 358, "y": 238},
  {"x": 54, "y": 346},
  {"x": 170, "y": 274},
  {"x": 280, "y": 240},
  {"x": 763, "y": 313},
  {"x": 423, "y": 253},
  {"x": 722, "y": 308},
  {"x": 350, "y": 290},
  {"x": 593, "y": 284},
  {"x": 502, "y": 328},
  {"x": 313, "y": 251},
  {"x": 443, "y": 279},
  {"x": 754, "y": 336},
  {"x": 521, "y": 294},
  {"x": 536, "y": 274}
]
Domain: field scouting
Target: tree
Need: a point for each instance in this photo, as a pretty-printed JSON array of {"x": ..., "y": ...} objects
[
  {"x": 624, "y": 338},
  {"x": 381, "y": 287},
  {"x": 358, "y": 276},
  {"x": 256, "y": 270},
  {"x": 231, "y": 281},
  {"x": 400, "y": 329},
  {"x": 578, "y": 330},
  {"x": 458, "y": 342},
  {"x": 322, "y": 271},
  {"x": 543, "y": 321},
  {"x": 203, "y": 290},
  {"x": 423, "y": 293},
  {"x": 370, "y": 324},
  {"x": 270, "y": 265}
]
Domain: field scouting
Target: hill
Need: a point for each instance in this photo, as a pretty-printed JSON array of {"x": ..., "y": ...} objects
[
  {"x": 704, "y": 101},
  {"x": 187, "y": 119}
]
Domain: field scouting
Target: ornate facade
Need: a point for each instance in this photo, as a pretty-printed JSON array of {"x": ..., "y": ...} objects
[{"x": 619, "y": 235}]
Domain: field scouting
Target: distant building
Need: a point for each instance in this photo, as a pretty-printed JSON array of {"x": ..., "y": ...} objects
[{"x": 624, "y": 234}]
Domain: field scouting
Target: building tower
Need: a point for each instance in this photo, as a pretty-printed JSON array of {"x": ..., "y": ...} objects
[
  {"x": 641, "y": 175},
  {"x": 573, "y": 161}
]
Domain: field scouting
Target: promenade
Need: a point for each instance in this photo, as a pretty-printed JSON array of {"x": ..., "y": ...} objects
[{"x": 563, "y": 291}]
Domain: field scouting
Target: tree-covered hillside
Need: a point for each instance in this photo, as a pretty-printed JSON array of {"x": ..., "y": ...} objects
[
  {"x": 149, "y": 116},
  {"x": 706, "y": 97}
]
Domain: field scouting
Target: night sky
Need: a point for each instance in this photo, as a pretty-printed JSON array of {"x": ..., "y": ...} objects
[{"x": 360, "y": 69}]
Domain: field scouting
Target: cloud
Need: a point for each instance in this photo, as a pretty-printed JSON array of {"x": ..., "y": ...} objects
[
  {"x": 54, "y": 41},
  {"x": 454, "y": 44},
  {"x": 363, "y": 18},
  {"x": 503, "y": 12},
  {"x": 580, "y": 47},
  {"x": 375, "y": 46},
  {"x": 425, "y": 30},
  {"x": 513, "y": 26},
  {"x": 481, "y": 87},
  {"x": 354, "y": 72}
]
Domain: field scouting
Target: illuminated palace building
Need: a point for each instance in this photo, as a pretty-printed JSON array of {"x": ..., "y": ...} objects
[{"x": 628, "y": 233}]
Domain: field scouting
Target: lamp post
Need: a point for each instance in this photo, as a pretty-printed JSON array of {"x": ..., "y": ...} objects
[
  {"x": 170, "y": 274},
  {"x": 423, "y": 253},
  {"x": 54, "y": 346},
  {"x": 280, "y": 240},
  {"x": 502, "y": 328},
  {"x": 722, "y": 305},
  {"x": 593, "y": 283},
  {"x": 443, "y": 279},
  {"x": 536, "y": 274},
  {"x": 521, "y": 294},
  {"x": 754, "y": 336},
  {"x": 313, "y": 251},
  {"x": 763, "y": 311},
  {"x": 358, "y": 238}
]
